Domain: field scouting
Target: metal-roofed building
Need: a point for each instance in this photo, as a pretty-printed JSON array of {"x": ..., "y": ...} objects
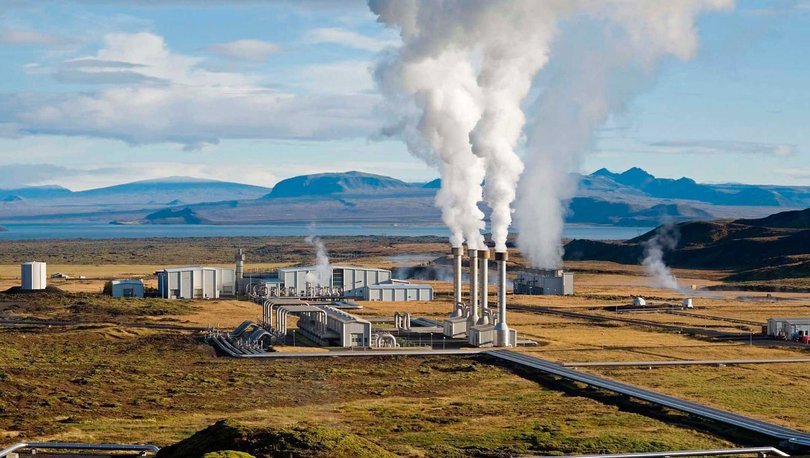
[
  {"x": 196, "y": 282},
  {"x": 788, "y": 328},
  {"x": 323, "y": 324},
  {"x": 544, "y": 282},
  {"x": 363, "y": 283},
  {"x": 126, "y": 288}
]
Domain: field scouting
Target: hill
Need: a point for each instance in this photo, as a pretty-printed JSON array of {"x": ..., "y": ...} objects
[
  {"x": 171, "y": 189},
  {"x": 34, "y": 192},
  {"x": 335, "y": 183},
  {"x": 777, "y": 246}
]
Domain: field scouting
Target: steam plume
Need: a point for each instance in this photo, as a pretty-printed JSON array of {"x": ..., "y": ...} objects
[
  {"x": 465, "y": 68},
  {"x": 665, "y": 238},
  {"x": 323, "y": 271}
]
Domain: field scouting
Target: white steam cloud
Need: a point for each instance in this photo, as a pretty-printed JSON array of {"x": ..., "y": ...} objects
[
  {"x": 323, "y": 271},
  {"x": 465, "y": 69},
  {"x": 665, "y": 238}
]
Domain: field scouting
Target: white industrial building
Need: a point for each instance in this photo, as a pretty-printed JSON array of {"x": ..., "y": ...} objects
[
  {"x": 544, "y": 282},
  {"x": 398, "y": 291},
  {"x": 34, "y": 275},
  {"x": 362, "y": 283},
  {"x": 196, "y": 282},
  {"x": 126, "y": 288},
  {"x": 788, "y": 328},
  {"x": 321, "y": 323}
]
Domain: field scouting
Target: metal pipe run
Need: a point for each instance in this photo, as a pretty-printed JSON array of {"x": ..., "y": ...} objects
[
  {"x": 501, "y": 328},
  {"x": 77, "y": 446},
  {"x": 483, "y": 268},
  {"x": 458, "y": 252},
  {"x": 472, "y": 319}
]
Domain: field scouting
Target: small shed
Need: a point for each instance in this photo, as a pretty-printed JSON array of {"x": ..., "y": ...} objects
[{"x": 126, "y": 288}]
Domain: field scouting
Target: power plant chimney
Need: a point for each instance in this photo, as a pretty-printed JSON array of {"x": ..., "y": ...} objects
[
  {"x": 501, "y": 329},
  {"x": 483, "y": 267},
  {"x": 240, "y": 264},
  {"x": 472, "y": 319},
  {"x": 458, "y": 252}
]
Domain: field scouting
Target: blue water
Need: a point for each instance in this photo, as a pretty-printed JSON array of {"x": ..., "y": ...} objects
[{"x": 109, "y": 231}]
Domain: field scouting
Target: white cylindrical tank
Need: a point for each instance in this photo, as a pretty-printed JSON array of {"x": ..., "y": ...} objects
[
  {"x": 687, "y": 303},
  {"x": 33, "y": 274},
  {"x": 639, "y": 301}
]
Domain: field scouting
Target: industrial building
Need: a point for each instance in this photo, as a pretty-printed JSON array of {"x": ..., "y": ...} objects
[
  {"x": 126, "y": 288},
  {"x": 789, "y": 328},
  {"x": 34, "y": 275},
  {"x": 319, "y": 322},
  {"x": 362, "y": 283},
  {"x": 196, "y": 282},
  {"x": 544, "y": 282}
]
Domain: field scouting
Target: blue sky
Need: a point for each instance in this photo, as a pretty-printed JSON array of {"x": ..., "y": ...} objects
[{"x": 100, "y": 92}]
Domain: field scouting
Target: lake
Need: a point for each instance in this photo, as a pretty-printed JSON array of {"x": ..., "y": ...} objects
[{"x": 109, "y": 231}]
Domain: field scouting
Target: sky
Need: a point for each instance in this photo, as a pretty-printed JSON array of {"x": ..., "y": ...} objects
[{"x": 100, "y": 92}]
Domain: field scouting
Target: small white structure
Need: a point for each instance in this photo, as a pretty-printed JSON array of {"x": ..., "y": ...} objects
[
  {"x": 126, "y": 288},
  {"x": 687, "y": 303},
  {"x": 639, "y": 301},
  {"x": 544, "y": 282},
  {"x": 34, "y": 275},
  {"x": 196, "y": 282}
]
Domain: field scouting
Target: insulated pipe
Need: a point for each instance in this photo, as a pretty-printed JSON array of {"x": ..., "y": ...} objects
[
  {"x": 501, "y": 328},
  {"x": 483, "y": 267},
  {"x": 458, "y": 252},
  {"x": 472, "y": 319}
]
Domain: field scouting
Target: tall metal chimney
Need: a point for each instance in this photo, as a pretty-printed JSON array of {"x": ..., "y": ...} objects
[
  {"x": 240, "y": 263},
  {"x": 458, "y": 252},
  {"x": 472, "y": 319},
  {"x": 501, "y": 328},
  {"x": 483, "y": 267}
]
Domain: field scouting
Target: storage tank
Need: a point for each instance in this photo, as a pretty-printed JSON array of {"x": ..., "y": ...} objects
[{"x": 33, "y": 274}]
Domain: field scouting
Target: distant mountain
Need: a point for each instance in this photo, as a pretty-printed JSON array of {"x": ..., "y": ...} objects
[
  {"x": 631, "y": 198},
  {"x": 172, "y": 190},
  {"x": 35, "y": 192},
  {"x": 335, "y": 183},
  {"x": 777, "y": 246},
  {"x": 685, "y": 189}
]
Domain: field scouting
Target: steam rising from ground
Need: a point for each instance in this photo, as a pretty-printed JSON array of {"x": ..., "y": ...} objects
[
  {"x": 323, "y": 271},
  {"x": 665, "y": 238},
  {"x": 464, "y": 70}
]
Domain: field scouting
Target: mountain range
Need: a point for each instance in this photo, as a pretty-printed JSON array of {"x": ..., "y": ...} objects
[{"x": 631, "y": 198}]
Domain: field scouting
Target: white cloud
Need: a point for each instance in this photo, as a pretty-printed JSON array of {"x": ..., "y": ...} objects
[
  {"x": 249, "y": 50},
  {"x": 348, "y": 38},
  {"x": 161, "y": 96},
  {"x": 30, "y": 37},
  {"x": 724, "y": 147},
  {"x": 345, "y": 77}
]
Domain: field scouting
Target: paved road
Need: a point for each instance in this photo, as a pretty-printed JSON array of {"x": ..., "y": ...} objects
[{"x": 780, "y": 433}]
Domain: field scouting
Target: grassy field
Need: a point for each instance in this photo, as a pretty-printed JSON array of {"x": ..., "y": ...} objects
[
  {"x": 102, "y": 383},
  {"x": 148, "y": 386}
]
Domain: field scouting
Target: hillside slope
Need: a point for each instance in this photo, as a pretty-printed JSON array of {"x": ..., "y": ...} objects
[{"x": 777, "y": 246}]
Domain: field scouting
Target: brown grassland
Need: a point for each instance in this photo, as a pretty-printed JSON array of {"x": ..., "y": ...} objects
[{"x": 103, "y": 380}]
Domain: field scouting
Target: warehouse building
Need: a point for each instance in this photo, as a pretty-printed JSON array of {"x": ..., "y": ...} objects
[
  {"x": 788, "y": 328},
  {"x": 362, "y": 283},
  {"x": 126, "y": 288},
  {"x": 544, "y": 282},
  {"x": 34, "y": 275},
  {"x": 196, "y": 282}
]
